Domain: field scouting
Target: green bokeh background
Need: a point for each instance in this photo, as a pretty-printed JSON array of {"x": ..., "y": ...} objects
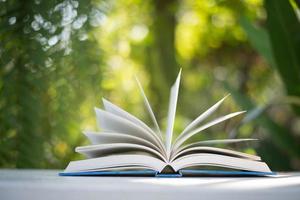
[{"x": 59, "y": 58}]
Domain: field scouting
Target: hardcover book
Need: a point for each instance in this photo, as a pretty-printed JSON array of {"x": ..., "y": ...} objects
[{"x": 126, "y": 146}]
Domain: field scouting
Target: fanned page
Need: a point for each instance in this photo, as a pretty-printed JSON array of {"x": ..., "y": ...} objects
[
  {"x": 171, "y": 114},
  {"x": 97, "y": 138},
  {"x": 114, "y": 123},
  {"x": 209, "y": 142},
  {"x": 214, "y": 150},
  {"x": 202, "y": 117},
  {"x": 101, "y": 150},
  {"x": 110, "y": 107},
  {"x": 148, "y": 107},
  {"x": 192, "y": 129},
  {"x": 188, "y": 135}
]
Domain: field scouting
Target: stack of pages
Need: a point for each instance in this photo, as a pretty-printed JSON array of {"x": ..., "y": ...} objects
[{"x": 127, "y": 146}]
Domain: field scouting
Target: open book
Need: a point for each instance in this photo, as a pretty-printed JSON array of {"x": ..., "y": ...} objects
[{"x": 127, "y": 146}]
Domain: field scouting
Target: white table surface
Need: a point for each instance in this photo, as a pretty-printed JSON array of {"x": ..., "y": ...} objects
[{"x": 46, "y": 184}]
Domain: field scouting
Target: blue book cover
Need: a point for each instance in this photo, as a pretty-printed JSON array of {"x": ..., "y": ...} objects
[{"x": 181, "y": 173}]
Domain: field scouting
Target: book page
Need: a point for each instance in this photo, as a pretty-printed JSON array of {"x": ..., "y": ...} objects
[
  {"x": 111, "y": 122},
  {"x": 185, "y": 137},
  {"x": 119, "y": 169},
  {"x": 202, "y": 117},
  {"x": 214, "y": 150},
  {"x": 116, "y": 161},
  {"x": 208, "y": 159},
  {"x": 213, "y": 142},
  {"x": 112, "y": 137},
  {"x": 171, "y": 113},
  {"x": 99, "y": 150},
  {"x": 148, "y": 107},
  {"x": 110, "y": 107}
]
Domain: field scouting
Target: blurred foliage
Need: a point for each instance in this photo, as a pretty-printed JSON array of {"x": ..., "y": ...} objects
[
  {"x": 58, "y": 58},
  {"x": 47, "y": 63}
]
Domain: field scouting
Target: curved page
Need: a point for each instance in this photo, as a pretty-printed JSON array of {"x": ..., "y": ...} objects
[
  {"x": 202, "y": 117},
  {"x": 111, "y": 122},
  {"x": 99, "y": 150},
  {"x": 219, "y": 161},
  {"x": 171, "y": 114},
  {"x": 185, "y": 137},
  {"x": 110, "y": 107},
  {"x": 214, "y": 150},
  {"x": 147, "y": 104},
  {"x": 112, "y": 137},
  {"x": 211, "y": 142},
  {"x": 109, "y": 162}
]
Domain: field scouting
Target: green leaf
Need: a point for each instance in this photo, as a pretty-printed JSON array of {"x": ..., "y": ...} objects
[
  {"x": 284, "y": 31},
  {"x": 259, "y": 39}
]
